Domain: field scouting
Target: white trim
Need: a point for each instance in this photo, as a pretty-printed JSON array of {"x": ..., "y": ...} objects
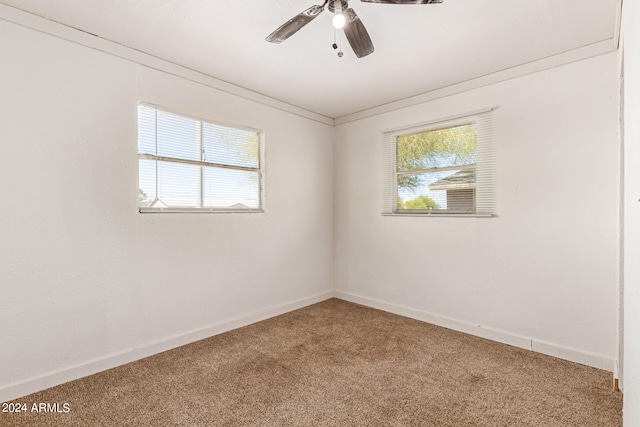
[
  {"x": 616, "y": 374},
  {"x": 618, "y": 26},
  {"x": 573, "y": 355},
  {"x": 74, "y": 35},
  {"x": 148, "y": 210},
  {"x": 427, "y": 214},
  {"x": 444, "y": 122},
  {"x": 13, "y": 391},
  {"x": 526, "y": 343},
  {"x": 563, "y": 58},
  {"x": 47, "y": 26}
]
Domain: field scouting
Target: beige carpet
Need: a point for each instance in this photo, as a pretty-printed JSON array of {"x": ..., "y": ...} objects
[{"x": 337, "y": 364}]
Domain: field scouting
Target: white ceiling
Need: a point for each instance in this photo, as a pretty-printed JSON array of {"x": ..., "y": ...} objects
[{"x": 418, "y": 48}]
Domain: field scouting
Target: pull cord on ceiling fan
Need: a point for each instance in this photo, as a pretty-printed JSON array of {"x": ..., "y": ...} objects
[{"x": 345, "y": 18}]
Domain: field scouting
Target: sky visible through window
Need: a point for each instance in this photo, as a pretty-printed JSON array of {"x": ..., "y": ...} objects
[
  {"x": 425, "y": 180},
  {"x": 164, "y": 181},
  {"x": 426, "y": 153}
]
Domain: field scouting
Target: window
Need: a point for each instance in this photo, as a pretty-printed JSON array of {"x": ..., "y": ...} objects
[
  {"x": 186, "y": 164},
  {"x": 439, "y": 168}
]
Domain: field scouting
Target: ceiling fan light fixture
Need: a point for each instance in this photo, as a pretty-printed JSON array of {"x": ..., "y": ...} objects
[{"x": 355, "y": 32}]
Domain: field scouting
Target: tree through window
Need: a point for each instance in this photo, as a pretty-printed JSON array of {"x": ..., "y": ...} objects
[
  {"x": 187, "y": 164},
  {"x": 436, "y": 170},
  {"x": 444, "y": 168}
]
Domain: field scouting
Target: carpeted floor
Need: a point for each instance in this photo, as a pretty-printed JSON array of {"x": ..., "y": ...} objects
[{"x": 336, "y": 364}]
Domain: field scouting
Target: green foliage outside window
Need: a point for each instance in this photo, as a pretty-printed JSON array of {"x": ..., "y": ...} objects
[
  {"x": 420, "y": 202},
  {"x": 448, "y": 147}
]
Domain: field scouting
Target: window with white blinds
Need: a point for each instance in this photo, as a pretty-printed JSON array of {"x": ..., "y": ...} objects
[
  {"x": 186, "y": 164},
  {"x": 444, "y": 167}
]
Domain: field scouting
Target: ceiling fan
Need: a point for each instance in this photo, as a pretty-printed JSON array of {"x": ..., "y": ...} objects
[{"x": 345, "y": 18}]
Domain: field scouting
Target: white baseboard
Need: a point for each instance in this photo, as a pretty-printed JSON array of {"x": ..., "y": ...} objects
[
  {"x": 51, "y": 379},
  {"x": 617, "y": 381},
  {"x": 573, "y": 355},
  {"x": 554, "y": 350}
]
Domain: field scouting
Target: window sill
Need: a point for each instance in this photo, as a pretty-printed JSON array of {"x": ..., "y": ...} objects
[
  {"x": 439, "y": 214},
  {"x": 199, "y": 211}
]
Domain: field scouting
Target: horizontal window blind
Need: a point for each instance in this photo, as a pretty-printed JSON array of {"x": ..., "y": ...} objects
[
  {"x": 486, "y": 167},
  {"x": 186, "y": 164},
  {"x": 439, "y": 168}
]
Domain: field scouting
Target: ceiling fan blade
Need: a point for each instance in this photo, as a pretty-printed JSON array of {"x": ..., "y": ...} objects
[
  {"x": 357, "y": 34},
  {"x": 292, "y": 26},
  {"x": 403, "y": 1}
]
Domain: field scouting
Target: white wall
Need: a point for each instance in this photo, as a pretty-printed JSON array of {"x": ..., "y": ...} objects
[
  {"x": 631, "y": 201},
  {"x": 543, "y": 273},
  {"x": 86, "y": 281}
]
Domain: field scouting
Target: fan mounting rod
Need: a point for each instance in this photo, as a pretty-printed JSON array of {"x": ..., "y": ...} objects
[
  {"x": 348, "y": 20},
  {"x": 344, "y": 4}
]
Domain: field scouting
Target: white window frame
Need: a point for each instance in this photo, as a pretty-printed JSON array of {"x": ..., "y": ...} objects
[
  {"x": 485, "y": 191},
  {"x": 200, "y": 120}
]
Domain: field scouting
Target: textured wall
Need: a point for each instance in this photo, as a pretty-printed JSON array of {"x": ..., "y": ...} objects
[
  {"x": 545, "y": 269},
  {"x": 84, "y": 276}
]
